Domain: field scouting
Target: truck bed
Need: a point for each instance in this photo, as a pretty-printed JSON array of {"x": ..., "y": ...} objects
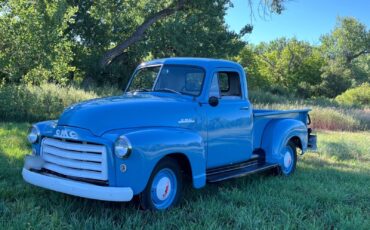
[
  {"x": 263, "y": 116},
  {"x": 279, "y": 113}
]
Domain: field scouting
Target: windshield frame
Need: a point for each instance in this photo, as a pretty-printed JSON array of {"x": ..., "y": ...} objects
[
  {"x": 159, "y": 72},
  {"x": 140, "y": 68}
]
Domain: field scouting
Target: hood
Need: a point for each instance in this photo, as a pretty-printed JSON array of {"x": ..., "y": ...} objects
[{"x": 130, "y": 111}]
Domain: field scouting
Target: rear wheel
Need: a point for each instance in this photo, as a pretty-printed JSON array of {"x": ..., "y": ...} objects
[
  {"x": 289, "y": 159},
  {"x": 163, "y": 190}
]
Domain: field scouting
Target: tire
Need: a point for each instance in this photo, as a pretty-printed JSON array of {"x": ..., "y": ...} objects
[
  {"x": 289, "y": 162},
  {"x": 163, "y": 190}
]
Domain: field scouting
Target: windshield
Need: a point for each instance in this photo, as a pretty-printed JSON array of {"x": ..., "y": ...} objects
[
  {"x": 172, "y": 79},
  {"x": 144, "y": 79}
]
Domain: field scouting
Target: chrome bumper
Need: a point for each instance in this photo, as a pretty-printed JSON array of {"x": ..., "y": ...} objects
[{"x": 77, "y": 188}]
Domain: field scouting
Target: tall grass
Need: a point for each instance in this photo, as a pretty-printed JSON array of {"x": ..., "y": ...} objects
[
  {"x": 326, "y": 114},
  {"x": 331, "y": 119},
  {"x": 35, "y": 103}
]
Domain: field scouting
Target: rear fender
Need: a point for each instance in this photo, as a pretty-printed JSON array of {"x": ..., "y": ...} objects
[
  {"x": 151, "y": 145},
  {"x": 278, "y": 133}
]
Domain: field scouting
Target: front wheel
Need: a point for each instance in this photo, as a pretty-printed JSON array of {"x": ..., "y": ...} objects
[
  {"x": 289, "y": 159},
  {"x": 163, "y": 190}
]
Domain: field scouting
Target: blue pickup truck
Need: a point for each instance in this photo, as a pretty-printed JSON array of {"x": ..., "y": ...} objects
[{"x": 178, "y": 118}]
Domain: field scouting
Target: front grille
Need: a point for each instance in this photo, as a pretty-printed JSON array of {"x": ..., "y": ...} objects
[{"x": 75, "y": 159}]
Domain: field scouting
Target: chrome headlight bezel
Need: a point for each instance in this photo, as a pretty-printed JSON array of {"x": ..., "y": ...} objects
[
  {"x": 33, "y": 134},
  {"x": 122, "y": 147}
]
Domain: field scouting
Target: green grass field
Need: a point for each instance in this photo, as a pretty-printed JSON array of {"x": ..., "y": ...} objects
[{"x": 330, "y": 189}]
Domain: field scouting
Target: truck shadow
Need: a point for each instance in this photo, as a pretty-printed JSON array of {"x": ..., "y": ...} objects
[
  {"x": 344, "y": 151},
  {"x": 10, "y": 168}
]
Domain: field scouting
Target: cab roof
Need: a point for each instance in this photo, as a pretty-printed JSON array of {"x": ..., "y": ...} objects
[{"x": 203, "y": 62}]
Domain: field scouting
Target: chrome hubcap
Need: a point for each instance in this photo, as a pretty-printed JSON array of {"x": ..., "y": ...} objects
[
  {"x": 287, "y": 159},
  {"x": 163, "y": 188}
]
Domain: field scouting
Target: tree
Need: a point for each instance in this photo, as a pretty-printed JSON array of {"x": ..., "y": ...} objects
[
  {"x": 99, "y": 26},
  {"x": 285, "y": 66},
  {"x": 32, "y": 41},
  {"x": 66, "y": 40},
  {"x": 248, "y": 58},
  {"x": 349, "y": 40},
  {"x": 172, "y": 8},
  {"x": 346, "y": 50},
  {"x": 194, "y": 33}
]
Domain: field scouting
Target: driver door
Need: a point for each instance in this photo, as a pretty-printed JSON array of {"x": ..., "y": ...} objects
[{"x": 229, "y": 124}]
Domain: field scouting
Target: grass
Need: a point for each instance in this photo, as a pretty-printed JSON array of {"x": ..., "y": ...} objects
[{"x": 330, "y": 189}]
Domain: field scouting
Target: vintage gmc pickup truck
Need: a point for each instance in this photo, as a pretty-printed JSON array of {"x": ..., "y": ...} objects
[{"x": 178, "y": 117}]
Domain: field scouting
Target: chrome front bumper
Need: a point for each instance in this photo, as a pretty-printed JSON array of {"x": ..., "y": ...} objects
[{"x": 77, "y": 188}]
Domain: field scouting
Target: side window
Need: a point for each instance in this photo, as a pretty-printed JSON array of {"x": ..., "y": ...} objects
[
  {"x": 225, "y": 84},
  {"x": 229, "y": 84}
]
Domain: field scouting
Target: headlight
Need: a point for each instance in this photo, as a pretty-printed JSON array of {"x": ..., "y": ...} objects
[
  {"x": 33, "y": 134},
  {"x": 122, "y": 147}
]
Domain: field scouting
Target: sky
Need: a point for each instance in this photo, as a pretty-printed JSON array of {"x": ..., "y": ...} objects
[{"x": 304, "y": 19}]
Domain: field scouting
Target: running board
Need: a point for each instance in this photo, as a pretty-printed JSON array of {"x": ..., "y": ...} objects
[{"x": 243, "y": 169}]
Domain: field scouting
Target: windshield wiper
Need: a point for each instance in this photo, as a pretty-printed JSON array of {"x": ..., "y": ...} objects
[{"x": 168, "y": 90}]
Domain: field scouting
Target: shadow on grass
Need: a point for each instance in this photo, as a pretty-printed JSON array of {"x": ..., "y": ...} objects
[{"x": 344, "y": 151}]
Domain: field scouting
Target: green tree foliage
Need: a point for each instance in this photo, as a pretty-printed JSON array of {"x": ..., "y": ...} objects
[
  {"x": 346, "y": 50},
  {"x": 199, "y": 31},
  {"x": 287, "y": 65},
  {"x": 266, "y": 6},
  {"x": 295, "y": 67},
  {"x": 250, "y": 62},
  {"x": 33, "y": 45},
  {"x": 64, "y": 40}
]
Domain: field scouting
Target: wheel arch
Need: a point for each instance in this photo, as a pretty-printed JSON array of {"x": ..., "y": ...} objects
[
  {"x": 151, "y": 145},
  {"x": 278, "y": 133},
  {"x": 296, "y": 141},
  {"x": 186, "y": 166},
  {"x": 184, "y": 163}
]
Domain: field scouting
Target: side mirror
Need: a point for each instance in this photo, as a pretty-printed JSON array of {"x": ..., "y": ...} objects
[{"x": 213, "y": 101}]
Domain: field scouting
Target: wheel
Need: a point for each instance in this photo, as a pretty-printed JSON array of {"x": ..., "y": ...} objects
[
  {"x": 289, "y": 162},
  {"x": 163, "y": 190}
]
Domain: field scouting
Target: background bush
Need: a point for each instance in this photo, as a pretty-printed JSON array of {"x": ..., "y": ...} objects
[{"x": 359, "y": 96}]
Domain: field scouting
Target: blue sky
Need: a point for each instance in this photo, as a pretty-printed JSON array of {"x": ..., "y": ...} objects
[{"x": 304, "y": 19}]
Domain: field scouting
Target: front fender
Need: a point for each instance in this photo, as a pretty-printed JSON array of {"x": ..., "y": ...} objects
[
  {"x": 277, "y": 134},
  {"x": 150, "y": 145}
]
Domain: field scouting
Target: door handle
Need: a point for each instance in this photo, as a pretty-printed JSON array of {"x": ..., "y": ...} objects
[{"x": 244, "y": 108}]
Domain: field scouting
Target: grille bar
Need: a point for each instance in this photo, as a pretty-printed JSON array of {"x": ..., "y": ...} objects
[
  {"x": 72, "y": 154},
  {"x": 72, "y": 163},
  {"x": 73, "y": 172},
  {"x": 76, "y": 159},
  {"x": 74, "y": 146}
]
